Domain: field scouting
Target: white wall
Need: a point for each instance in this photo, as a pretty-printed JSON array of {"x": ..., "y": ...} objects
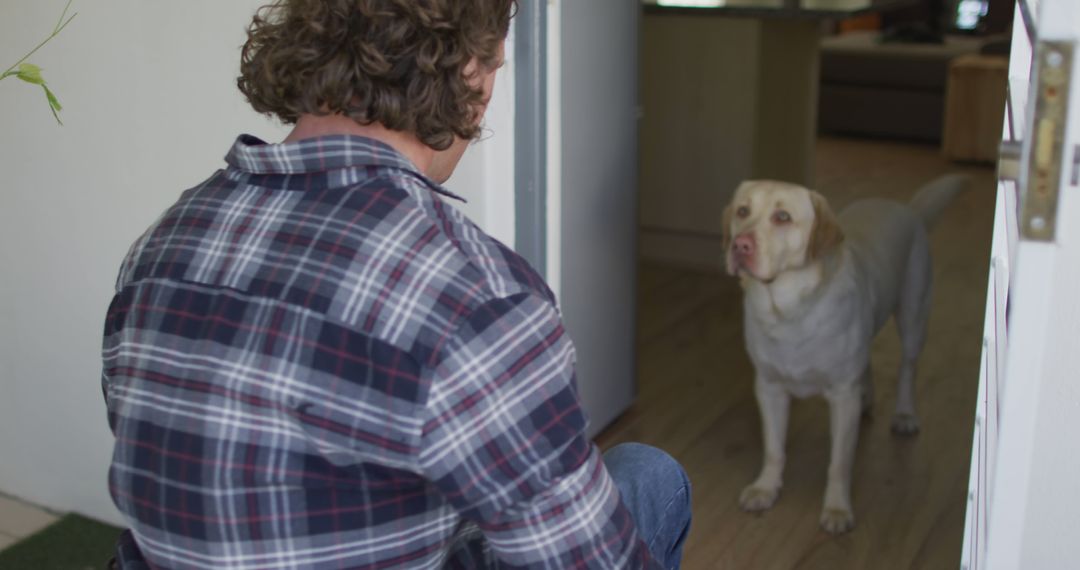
[
  {"x": 485, "y": 176},
  {"x": 151, "y": 108}
]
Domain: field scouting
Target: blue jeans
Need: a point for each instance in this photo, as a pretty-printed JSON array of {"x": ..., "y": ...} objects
[{"x": 656, "y": 490}]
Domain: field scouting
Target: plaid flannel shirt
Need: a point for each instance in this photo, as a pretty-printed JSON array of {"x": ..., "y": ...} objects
[{"x": 312, "y": 361}]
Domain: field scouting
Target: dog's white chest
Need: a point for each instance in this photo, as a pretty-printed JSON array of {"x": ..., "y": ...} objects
[
  {"x": 812, "y": 344},
  {"x": 807, "y": 362}
]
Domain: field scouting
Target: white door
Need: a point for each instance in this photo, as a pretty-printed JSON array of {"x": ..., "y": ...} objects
[
  {"x": 1025, "y": 471},
  {"x": 592, "y": 192}
]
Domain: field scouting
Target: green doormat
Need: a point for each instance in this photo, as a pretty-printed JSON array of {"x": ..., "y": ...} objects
[{"x": 71, "y": 543}]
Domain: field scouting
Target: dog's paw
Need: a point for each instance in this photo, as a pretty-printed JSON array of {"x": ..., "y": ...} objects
[
  {"x": 837, "y": 521},
  {"x": 755, "y": 498},
  {"x": 905, "y": 424}
]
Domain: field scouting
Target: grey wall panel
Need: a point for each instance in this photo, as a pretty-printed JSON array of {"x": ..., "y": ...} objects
[
  {"x": 530, "y": 133},
  {"x": 599, "y": 60}
]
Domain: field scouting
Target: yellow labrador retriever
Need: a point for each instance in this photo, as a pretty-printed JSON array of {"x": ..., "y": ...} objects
[{"x": 817, "y": 289}]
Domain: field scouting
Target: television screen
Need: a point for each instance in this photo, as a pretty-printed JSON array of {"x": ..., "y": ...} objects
[{"x": 969, "y": 14}]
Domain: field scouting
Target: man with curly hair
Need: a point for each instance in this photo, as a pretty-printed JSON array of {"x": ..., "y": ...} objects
[{"x": 312, "y": 360}]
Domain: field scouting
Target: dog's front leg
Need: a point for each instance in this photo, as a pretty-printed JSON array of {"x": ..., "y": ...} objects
[
  {"x": 773, "y": 402},
  {"x": 844, "y": 409}
]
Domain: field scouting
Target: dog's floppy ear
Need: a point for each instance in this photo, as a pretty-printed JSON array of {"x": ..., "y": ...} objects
[
  {"x": 826, "y": 233},
  {"x": 725, "y": 238}
]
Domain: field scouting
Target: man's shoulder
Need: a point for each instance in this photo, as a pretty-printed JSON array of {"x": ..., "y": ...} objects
[
  {"x": 432, "y": 267},
  {"x": 498, "y": 270},
  {"x": 385, "y": 255}
]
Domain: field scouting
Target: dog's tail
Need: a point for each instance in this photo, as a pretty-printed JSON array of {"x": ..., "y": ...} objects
[{"x": 930, "y": 201}]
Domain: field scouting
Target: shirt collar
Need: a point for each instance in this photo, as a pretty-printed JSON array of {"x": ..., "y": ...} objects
[{"x": 319, "y": 155}]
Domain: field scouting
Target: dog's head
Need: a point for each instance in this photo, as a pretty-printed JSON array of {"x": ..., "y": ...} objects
[{"x": 770, "y": 227}]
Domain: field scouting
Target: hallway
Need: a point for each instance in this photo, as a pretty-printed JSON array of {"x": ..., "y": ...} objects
[{"x": 696, "y": 401}]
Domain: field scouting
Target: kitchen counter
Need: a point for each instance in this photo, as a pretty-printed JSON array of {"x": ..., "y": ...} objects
[{"x": 801, "y": 9}]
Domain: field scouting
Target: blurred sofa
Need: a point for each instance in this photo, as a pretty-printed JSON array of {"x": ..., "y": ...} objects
[{"x": 889, "y": 90}]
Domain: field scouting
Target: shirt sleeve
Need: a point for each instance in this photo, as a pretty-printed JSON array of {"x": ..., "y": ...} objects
[
  {"x": 113, "y": 323},
  {"x": 504, "y": 441}
]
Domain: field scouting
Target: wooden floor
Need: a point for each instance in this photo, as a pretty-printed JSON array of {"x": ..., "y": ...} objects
[{"x": 695, "y": 398}]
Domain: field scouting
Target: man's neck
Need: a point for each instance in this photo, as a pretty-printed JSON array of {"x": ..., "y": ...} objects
[{"x": 311, "y": 126}]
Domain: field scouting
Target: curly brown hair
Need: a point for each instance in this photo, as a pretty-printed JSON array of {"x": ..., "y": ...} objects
[{"x": 400, "y": 63}]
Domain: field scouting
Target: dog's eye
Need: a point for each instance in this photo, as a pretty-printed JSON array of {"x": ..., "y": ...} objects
[
  {"x": 742, "y": 212},
  {"x": 781, "y": 217}
]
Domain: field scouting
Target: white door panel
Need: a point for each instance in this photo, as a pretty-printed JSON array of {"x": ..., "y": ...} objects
[{"x": 1023, "y": 495}]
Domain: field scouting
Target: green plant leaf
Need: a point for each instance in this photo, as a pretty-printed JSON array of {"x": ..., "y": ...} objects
[
  {"x": 54, "y": 103},
  {"x": 30, "y": 73}
]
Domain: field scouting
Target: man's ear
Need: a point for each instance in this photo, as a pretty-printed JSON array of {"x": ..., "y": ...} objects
[
  {"x": 725, "y": 239},
  {"x": 825, "y": 233}
]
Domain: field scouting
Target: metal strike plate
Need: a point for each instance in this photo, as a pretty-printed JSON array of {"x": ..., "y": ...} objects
[{"x": 1041, "y": 183}]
